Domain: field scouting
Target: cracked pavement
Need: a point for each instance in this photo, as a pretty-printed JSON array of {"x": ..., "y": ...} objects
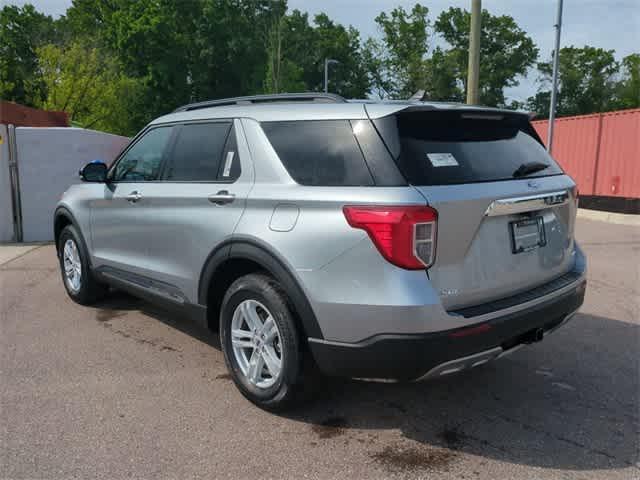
[{"x": 127, "y": 390}]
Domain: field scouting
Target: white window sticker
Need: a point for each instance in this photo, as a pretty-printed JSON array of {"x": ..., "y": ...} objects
[
  {"x": 442, "y": 160},
  {"x": 227, "y": 164}
]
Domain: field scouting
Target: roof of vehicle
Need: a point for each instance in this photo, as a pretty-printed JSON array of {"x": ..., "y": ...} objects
[{"x": 306, "y": 106}]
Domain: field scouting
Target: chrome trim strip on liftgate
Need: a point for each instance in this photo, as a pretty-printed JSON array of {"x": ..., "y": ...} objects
[{"x": 509, "y": 206}]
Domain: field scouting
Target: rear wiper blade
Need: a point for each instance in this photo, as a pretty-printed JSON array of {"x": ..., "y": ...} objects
[{"x": 530, "y": 167}]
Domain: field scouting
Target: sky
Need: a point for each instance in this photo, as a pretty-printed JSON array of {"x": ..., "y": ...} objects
[{"x": 608, "y": 24}]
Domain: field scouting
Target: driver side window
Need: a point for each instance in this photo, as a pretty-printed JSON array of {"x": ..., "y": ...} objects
[{"x": 143, "y": 160}]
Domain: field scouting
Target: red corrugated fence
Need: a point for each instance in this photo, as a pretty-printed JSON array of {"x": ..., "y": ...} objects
[{"x": 600, "y": 151}]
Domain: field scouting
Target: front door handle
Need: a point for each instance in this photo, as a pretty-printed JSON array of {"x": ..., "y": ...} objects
[
  {"x": 222, "y": 197},
  {"x": 134, "y": 196}
]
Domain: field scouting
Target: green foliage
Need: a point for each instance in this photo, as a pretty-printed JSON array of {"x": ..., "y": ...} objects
[
  {"x": 288, "y": 41},
  {"x": 349, "y": 77},
  {"x": 229, "y": 46},
  {"x": 116, "y": 64},
  {"x": 588, "y": 82},
  {"x": 506, "y": 52},
  {"x": 297, "y": 49},
  {"x": 22, "y": 31},
  {"x": 398, "y": 63},
  {"x": 148, "y": 38},
  {"x": 88, "y": 86},
  {"x": 443, "y": 77},
  {"x": 628, "y": 88}
]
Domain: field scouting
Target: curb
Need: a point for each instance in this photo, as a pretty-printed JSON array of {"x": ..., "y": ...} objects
[{"x": 616, "y": 218}]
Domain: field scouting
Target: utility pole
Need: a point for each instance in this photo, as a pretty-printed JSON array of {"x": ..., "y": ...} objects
[
  {"x": 554, "y": 79},
  {"x": 327, "y": 62},
  {"x": 473, "y": 73}
]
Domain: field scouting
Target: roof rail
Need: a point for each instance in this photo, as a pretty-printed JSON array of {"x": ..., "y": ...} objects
[{"x": 279, "y": 97}]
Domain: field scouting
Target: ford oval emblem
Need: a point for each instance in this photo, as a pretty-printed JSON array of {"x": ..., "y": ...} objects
[{"x": 532, "y": 184}]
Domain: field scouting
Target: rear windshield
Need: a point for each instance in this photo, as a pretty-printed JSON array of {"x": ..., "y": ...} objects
[{"x": 444, "y": 148}]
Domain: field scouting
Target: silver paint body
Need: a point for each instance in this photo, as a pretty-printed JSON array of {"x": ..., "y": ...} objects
[{"x": 354, "y": 292}]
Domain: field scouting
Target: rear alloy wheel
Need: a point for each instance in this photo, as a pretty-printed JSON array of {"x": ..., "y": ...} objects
[
  {"x": 256, "y": 344},
  {"x": 261, "y": 344}
]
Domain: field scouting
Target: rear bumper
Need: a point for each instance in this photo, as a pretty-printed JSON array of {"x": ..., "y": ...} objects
[{"x": 415, "y": 356}]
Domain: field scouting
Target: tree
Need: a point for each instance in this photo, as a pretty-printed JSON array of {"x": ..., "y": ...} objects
[
  {"x": 397, "y": 64},
  {"x": 283, "y": 74},
  {"x": 22, "y": 31},
  {"x": 230, "y": 46},
  {"x": 293, "y": 60},
  {"x": 89, "y": 86},
  {"x": 349, "y": 77},
  {"x": 628, "y": 88},
  {"x": 586, "y": 82},
  {"x": 381, "y": 83},
  {"x": 297, "y": 50},
  {"x": 506, "y": 52},
  {"x": 443, "y": 82}
]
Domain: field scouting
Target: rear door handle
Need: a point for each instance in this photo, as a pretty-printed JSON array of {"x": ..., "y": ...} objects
[
  {"x": 134, "y": 196},
  {"x": 222, "y": 197}
]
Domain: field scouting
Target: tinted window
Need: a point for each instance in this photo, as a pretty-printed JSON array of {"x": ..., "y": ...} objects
[
  {"x": 143, "y": 160},
  {"x": 440, "y": 148},
  {"x": 197, "y": 152},
  {"x": 319, "y": 152}
]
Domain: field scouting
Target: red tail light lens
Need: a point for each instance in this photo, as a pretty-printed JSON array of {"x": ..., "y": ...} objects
[{"x": 404, "y": 235}]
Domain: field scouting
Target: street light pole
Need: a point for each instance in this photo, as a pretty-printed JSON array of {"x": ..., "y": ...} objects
[
  {"x": 554, "y": 79},
  {"x": 327, "y": 62},
  {"x": 473, "y": 73}
]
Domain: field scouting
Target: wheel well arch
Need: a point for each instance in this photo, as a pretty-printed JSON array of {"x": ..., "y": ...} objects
[
  {"x": 61, "y": 219},
  {"x": 236, "y": 259}
]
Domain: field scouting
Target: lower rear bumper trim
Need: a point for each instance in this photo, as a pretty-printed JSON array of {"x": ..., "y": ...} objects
[{"x": 421, "y": 356}]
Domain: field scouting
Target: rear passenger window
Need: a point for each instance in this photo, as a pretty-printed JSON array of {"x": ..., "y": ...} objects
[
  {"x": 197, "y": 153},
  {"x": 319, "y": 152}
]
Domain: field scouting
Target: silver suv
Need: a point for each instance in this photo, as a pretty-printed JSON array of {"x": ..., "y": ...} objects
[{"x": 399, "y": 240}]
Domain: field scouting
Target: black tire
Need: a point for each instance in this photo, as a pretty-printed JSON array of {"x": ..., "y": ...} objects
[
  {"x": 299, "y": 377},
  {"x": 90, "y": 289}
]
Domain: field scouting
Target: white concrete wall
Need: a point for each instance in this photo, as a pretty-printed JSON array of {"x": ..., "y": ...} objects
[
  {"x": 6, "y": 211},
  {"x": 48, "y": 161}
]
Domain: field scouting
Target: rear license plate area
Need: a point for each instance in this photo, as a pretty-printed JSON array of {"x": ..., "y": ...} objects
[{"x": 527, "y": 234}]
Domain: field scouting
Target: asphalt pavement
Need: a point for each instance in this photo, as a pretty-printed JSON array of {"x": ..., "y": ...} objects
[{"x": 125, "y": 390}]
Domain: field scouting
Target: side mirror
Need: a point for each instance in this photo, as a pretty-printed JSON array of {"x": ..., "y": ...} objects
[{"x": 95, "y": 171}]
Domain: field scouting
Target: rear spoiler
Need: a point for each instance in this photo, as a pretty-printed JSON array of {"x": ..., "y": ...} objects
[{"x": 379, "y": 110}]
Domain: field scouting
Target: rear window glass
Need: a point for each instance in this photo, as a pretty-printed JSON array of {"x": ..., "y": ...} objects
[
  {"x": 319, "y": 152},
  {"x": 197, "y": 153},
  {"x": 443, "y": 148}
]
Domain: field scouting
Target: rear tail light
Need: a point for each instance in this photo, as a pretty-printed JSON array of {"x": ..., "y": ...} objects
[{"x": 404, "y": 235}]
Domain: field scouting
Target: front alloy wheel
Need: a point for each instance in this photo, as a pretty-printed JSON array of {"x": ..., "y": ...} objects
[
  {"x": 78, "y": 279},
  {"x": 72, "y": 265}
]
